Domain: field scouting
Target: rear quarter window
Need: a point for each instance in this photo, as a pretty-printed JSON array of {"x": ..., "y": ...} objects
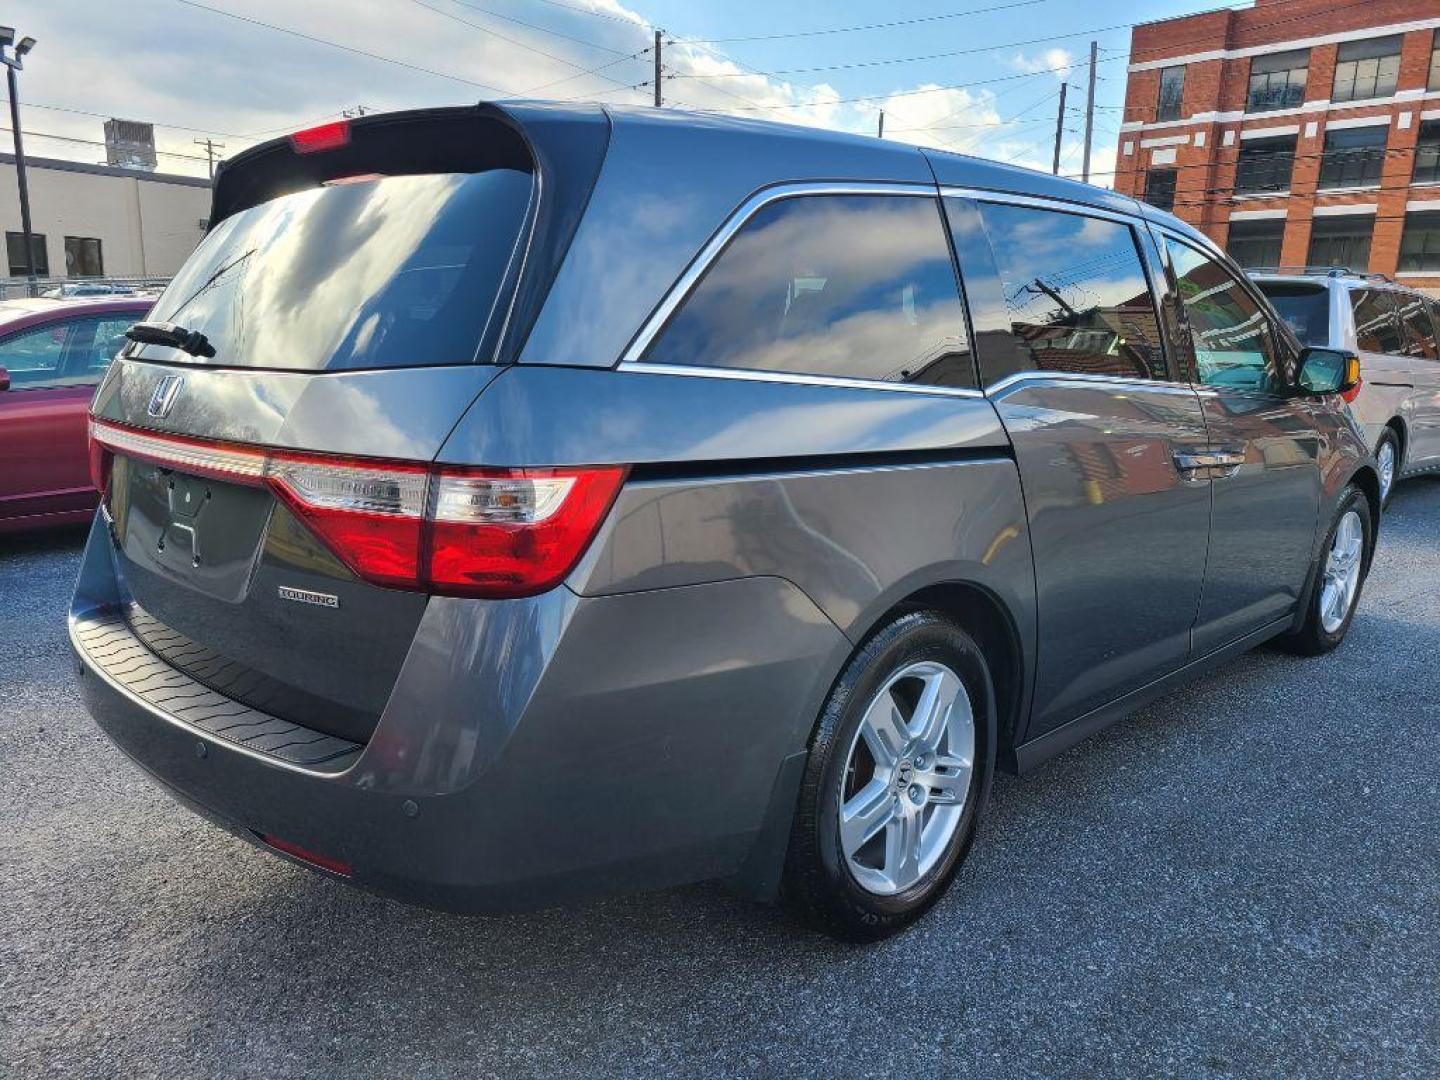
[
  {"x": 858, "y": 287},
  {"x": 1377, "y": 327}
]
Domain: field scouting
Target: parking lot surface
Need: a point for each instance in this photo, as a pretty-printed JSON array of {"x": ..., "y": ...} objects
[{"x": 1243, "y": 879}]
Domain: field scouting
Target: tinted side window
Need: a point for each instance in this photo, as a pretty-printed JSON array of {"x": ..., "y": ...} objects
[
  {"x": 95, "y": 344},
  {"x": 1077, "y": 293},
  {"x": 850, "y": 286},
  {"x": 1376, "y": 327},
  {"x": 1305, "y": 307},
  {"x": 34, "y": 357},
  {"x": 1232, "y": 336},
  {"x": 1415, "y": 322}
]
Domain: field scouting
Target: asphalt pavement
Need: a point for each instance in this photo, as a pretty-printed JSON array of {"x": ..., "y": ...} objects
[{"x": 1243, "y": 879}]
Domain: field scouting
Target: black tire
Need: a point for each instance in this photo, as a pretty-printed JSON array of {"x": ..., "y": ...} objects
[
  {"x": 1312, "y": 639},
  {"x": 818, "y": 884},
  {"x": 1390, "y": 439}
]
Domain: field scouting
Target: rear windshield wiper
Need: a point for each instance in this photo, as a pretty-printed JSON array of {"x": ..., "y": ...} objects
[{"x": 165, "y": 333}]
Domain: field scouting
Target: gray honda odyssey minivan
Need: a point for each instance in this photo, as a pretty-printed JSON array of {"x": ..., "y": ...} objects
[{"x": 514, "y": 502}]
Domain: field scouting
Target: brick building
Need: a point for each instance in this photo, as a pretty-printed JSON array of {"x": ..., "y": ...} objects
[{"x": 1294, "y": 132}]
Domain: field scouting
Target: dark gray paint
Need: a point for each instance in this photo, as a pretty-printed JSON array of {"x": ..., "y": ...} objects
[
  {"x": 1119, "y": 536},
  {"x": 539, "y": 415},
  {"x": 662, "y": 699}
]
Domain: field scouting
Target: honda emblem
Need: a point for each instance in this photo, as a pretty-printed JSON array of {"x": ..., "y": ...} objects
[{"x": 163, "y": 399}]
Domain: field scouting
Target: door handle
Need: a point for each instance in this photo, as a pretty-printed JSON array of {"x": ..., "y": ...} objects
[{"x": 1217, "y": 464}]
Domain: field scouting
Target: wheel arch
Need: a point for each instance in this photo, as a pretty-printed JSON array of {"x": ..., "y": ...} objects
[
  {"x": 1368, "y": 481},
  {"x": 1402, "y": 438},
  {"x": 986, "y": 617}
]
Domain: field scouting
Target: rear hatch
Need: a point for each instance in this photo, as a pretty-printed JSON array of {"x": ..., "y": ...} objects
[{"x": 268, "y": 478}]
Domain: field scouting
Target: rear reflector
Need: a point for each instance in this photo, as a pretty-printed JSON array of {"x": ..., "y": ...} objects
[
  {"x": 295, "y": 851},
  {"x": 322, "y": 137},
  {"x": 450, "y": 530}
]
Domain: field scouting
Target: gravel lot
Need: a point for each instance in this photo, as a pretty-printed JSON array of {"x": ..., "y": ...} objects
[{"x": 1244, "y": 879}]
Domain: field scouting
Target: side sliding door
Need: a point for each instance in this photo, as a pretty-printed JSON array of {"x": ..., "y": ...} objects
[{"x": 1105, "y": 433}]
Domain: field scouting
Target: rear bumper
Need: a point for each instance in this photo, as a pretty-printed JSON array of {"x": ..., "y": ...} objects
[{"x": 532, "y": 752}]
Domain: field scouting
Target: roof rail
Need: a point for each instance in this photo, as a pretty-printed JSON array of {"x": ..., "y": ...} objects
[{"x": 1322, "y": 271}]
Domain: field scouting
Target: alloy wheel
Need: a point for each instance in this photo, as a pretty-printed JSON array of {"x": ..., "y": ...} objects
[
  {"x": 1343, "y": 566},
  {"x": 907, "y": 777}
]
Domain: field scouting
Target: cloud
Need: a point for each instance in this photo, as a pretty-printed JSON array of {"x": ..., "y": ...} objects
[
  {"x": 1059, "y": 62},
  {"x": 182, "y": 66}
]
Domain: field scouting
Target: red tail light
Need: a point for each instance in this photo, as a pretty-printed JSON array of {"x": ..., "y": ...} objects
[
  {"x": 322, "y": 137},
  {"x": 457, "y": 531}
]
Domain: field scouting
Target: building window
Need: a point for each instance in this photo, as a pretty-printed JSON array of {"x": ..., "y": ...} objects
[
  {"x": 15, "y": 251},
  {"x": 1427, "y": 154},
  {"x": 1160, "y": 188},
  {"x": 1254, "y": 244},
  {"x": 1341, "y": 241},
  {"x": 82, "y": 257},
  {"x": 1367, "y": 69},
  {"x": 1353, "y": 157},
  {"x": 1420, "y": 245},
  {"x": 1434, "y": 82},
  {"x": 1172, "y": 93},
  {"x": 1277, "y": 81},
  {"x": 1265, "y": 165}
]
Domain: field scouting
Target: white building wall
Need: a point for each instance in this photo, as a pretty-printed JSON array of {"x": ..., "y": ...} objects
[{"x": 147, "y": 224}]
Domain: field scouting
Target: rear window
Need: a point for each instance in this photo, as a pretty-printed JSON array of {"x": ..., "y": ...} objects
[
  {"x": 1306, "y": 308},
  {"x": 381, "y": 272}
]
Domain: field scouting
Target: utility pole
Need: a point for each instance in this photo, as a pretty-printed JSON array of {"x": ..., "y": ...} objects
[
  {"x": 1090, "y": 112},
  {"x": 1059, "y": 130},
  {"x": 658, "y": 100},
  {"x": 210, "y": 146},
  {"x": 12, "y": 65},
  {"x": 880, "y": 134}
]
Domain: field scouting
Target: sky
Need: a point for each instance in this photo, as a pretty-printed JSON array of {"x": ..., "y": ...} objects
[{"x": 979, "y": 77}]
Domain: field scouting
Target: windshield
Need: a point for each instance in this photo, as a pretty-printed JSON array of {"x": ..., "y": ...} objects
[
  {"x": 1304, "y": 306},
  {"x": 383, "y": 272}
]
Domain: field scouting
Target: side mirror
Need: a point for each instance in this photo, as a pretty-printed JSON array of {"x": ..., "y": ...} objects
[
  {"x": 4, "y": 378},
  {"x": 1329, "y": 371}
]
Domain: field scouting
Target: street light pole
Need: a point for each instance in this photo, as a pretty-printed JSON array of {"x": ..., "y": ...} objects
[{"x": 12, "y": 65}]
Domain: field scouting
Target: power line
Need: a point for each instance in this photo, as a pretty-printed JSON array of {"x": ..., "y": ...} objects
[
  {"x": 1316, "y": 156},
  {"x": 948, "y": 55},
  {"x": 96, "y": 142},
  {"x": 987, "y": 10},
  {"x": 524, "y": 45},
  {"x": 535, "y": 26},
  {"x": 343, "y": 48}
]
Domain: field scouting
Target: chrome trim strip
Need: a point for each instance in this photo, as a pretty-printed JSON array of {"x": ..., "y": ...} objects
[
  {"x": 716, "y": 244},
  {"x": 745, "y": 375},
  {"x": 1040, "y": 202},
  {"x": 1010, "y": 381}
]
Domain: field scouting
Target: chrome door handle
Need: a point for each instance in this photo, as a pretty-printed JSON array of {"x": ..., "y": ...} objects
[{"x": 1208, "y": 464}]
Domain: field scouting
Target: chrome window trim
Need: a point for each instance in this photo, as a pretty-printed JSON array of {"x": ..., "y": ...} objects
[
  {"x": 680, "y": 291},
  {"x": 746, "y": 375},
  {"x": 1136, "y": 224},
  {"x": 1006, "y": 384},
  {"x": 1043, "y": 202}
]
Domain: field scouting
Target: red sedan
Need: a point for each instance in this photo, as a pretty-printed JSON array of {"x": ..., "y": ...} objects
[{"x": 52, "y": 354}]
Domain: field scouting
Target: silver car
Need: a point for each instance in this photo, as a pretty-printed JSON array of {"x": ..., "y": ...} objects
[
  {"x": 511, "y": 503},
  {"x": 1393, "y": 329}
]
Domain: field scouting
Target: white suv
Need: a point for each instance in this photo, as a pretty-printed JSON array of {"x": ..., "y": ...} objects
[{"x": 1394, "y": 330}]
